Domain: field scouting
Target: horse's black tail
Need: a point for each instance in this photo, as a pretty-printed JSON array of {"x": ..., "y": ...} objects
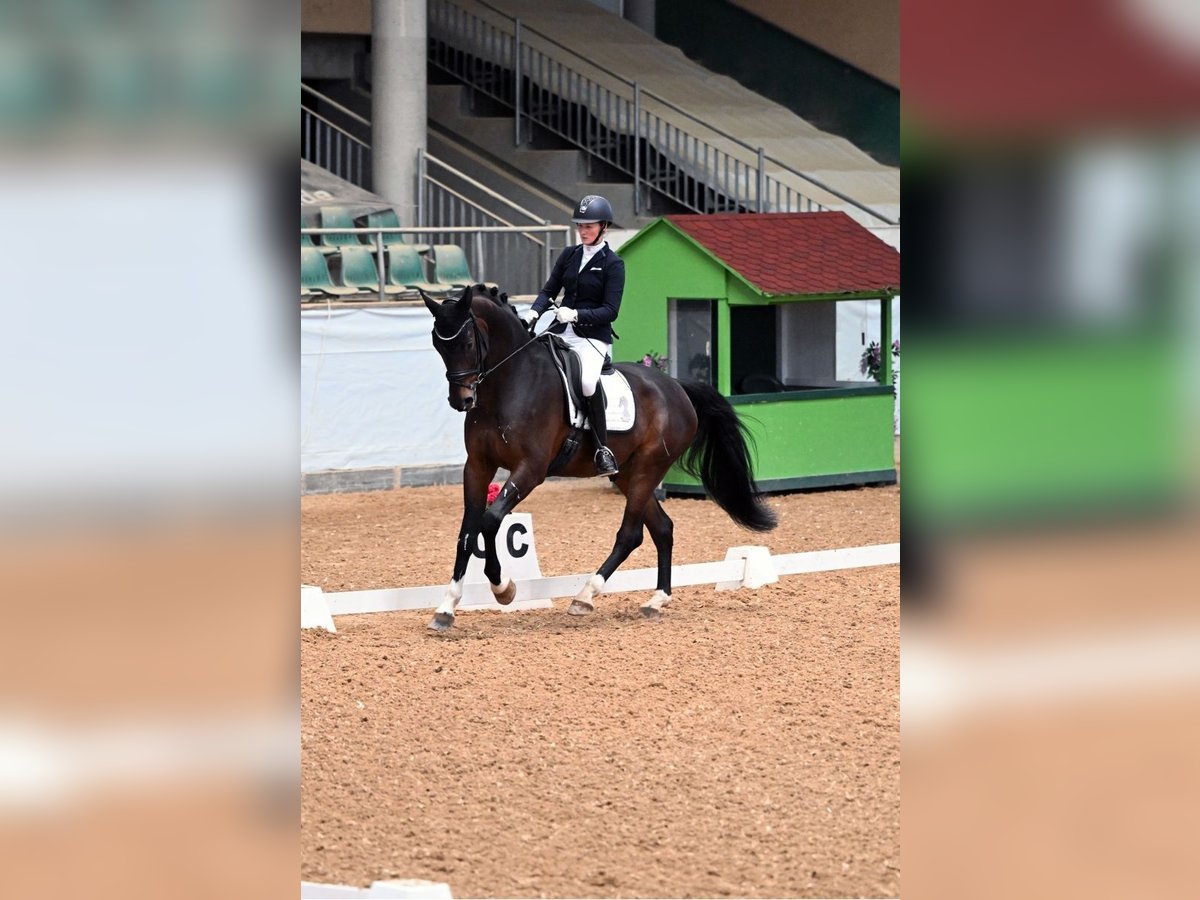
[{"x": 720, "y": 457}]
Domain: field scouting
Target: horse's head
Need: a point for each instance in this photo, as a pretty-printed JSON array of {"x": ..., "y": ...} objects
[{"x": 462, "y": 346}]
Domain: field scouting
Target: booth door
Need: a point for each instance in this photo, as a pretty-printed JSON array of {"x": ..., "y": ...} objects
[{"x": 691, "y": 340}]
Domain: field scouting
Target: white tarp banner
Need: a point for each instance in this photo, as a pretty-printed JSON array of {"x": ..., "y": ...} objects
[{"x": 373, "y": 391}]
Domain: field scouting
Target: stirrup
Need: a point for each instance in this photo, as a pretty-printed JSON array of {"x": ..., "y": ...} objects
[{"x": 606, "y": 463}]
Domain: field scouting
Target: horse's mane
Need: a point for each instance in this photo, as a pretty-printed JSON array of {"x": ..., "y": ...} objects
[{"x": 497, "y": 296}]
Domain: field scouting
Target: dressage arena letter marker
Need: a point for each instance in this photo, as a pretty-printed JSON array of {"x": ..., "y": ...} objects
[{"x": 518, "y": 560}]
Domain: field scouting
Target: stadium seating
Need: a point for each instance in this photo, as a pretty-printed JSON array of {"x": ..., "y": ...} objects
[
  {"x": 315, "y": 277},
  {"x": 387, "y": 218},
  {"x": 450, "y": 266},
  {"x": 337, "y": 217},
  {"x": 404, "y": 270},
  {"x": 359, "y": 271}
]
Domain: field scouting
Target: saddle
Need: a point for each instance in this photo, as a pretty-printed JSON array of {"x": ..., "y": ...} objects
[{"x": 618, "y": 397}]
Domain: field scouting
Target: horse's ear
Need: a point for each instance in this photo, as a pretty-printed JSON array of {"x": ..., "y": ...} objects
[{"x": 432, "y": 305}]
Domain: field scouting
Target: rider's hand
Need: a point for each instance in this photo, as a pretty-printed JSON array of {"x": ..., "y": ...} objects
[
  {"x": 529, "y": 317},
  {"x": 566, "y": 314}
]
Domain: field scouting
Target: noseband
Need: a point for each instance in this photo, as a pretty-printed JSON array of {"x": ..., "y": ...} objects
[
  {"x": 481, "y": 371},
  {"x": 457, "y": 378}
]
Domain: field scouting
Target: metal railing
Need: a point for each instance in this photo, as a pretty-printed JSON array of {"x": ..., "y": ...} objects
[
  {"x": 480, "y": 243},
  {"x": 448, "y": 198},
  {"x": 330, "y": 145},
  {"x": 662, "y": 147},
  {"x": 452, "y": 207}
]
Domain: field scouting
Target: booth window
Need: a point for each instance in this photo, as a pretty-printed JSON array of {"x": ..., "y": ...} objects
[
  {"x": 691, "y": 331},
  {"x": 797, "y": 346}
]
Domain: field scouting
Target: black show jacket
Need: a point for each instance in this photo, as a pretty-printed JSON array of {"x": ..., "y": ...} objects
[{"x": 595, "y": 293}]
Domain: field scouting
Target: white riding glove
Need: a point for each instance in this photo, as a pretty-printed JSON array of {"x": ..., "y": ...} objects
[
  {"x": 566, "y": 314},
  {"x": 529, "y": 317}
]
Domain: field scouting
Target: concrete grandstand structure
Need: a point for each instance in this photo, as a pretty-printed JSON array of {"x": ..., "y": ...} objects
[{"x": 491, "y": 118}]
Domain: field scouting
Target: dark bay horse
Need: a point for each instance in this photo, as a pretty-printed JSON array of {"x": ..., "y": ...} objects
[{"x": 507, "y": 384}]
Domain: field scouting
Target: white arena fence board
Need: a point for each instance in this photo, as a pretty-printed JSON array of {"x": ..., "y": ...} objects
[
  {"x": 405, "y": 888},
  {"x": 539, "y": 590}
]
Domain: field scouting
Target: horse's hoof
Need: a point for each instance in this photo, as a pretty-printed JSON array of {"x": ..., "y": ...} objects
[
  {"x": 652, "y": 608},
  {"x": 505, "y": 596},
  {"x": 441, "y": 622},
  {"x": 579, "y": 608}
]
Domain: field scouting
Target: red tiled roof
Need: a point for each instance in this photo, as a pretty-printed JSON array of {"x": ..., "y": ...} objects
[
  {"x": 797, "y": 253},
  {"x": 1030, "y": 68}
]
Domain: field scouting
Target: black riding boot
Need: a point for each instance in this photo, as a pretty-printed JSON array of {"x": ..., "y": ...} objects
[{"x": 606, "y": 463}]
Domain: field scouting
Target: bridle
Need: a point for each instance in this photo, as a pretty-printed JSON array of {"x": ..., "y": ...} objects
[
  {"x": 480, "y": 371},
  {"x": 458, "y": 378}
]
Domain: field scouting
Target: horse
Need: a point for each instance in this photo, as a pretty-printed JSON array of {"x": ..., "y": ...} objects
[{"x": 507, "y": 384}]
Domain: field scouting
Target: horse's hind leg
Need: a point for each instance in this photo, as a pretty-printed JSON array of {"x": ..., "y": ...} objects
[
  {"x": 662, "y": 531},
  {"x": 638, "y": 490}
]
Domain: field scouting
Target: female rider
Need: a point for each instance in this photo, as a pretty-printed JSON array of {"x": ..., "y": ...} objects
[{"x": 593, "y": 277}]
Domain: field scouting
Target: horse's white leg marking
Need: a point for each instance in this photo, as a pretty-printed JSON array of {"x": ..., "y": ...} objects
[
  {"x": 504, "y": 592},
  {"x": 450, "y": 599},
  {"x": 657, "y": 602},
  {"x": 584, "y": 600}
]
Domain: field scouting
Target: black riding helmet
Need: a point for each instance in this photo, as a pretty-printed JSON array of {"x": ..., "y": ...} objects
[{"x": 592, "y": 208}]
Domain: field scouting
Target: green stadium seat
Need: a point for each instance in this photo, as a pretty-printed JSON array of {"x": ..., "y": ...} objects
[
  {"x": 314, "y": 275},
  {"x": 404, "y": 270},
  {"x": 387, "y": 218},
  {"x": 450, "y": 267},
  {"x": 338, "y": 217},
  {"x": 359, "y": 271}
]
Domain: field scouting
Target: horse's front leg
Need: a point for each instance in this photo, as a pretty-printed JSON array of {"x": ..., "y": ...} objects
[
  {"x": 475, "y": 483},
  {"x": 523, "y": 480}
]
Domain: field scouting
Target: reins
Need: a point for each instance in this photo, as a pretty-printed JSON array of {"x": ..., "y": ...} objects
[
  {"x": 481, "y": 370},
  {"x": 524, "y": 346}
]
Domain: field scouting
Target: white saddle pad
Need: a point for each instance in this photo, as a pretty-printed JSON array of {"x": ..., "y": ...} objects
[{"x": 618, "y": 404}]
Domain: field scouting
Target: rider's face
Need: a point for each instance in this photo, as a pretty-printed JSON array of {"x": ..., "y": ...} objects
[{"x": 589, "y": 232}]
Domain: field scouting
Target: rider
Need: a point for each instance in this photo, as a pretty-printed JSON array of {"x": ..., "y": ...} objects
[{"x": 594, "y": 278}]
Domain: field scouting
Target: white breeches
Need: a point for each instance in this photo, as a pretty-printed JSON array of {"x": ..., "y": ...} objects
[{"x": 591, "y": 353}]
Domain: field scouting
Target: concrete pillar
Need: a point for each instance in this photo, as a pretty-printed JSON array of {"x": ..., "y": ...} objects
[
  {"x": 398, "y": 113},
  {"x": 641, "y": 14}
]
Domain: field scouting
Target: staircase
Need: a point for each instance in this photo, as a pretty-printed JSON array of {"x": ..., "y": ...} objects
[
  {"x": 545, "y": 174},
  {"x": 547, "y": 89},
  {"x": 509, "y": 102}
]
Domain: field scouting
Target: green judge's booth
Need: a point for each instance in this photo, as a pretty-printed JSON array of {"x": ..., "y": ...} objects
[{"x": 748, "y": 303}]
